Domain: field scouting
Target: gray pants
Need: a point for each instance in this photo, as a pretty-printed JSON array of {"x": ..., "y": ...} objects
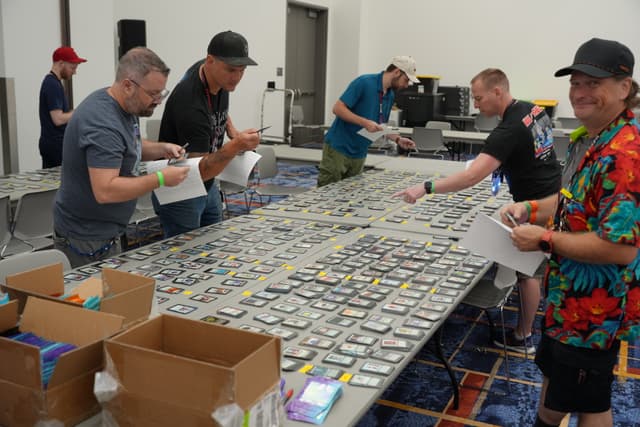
[{"x": 81, "y": 252}]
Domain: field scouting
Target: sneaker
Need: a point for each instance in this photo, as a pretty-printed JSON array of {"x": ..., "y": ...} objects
[{"x": 515, "y": 344}]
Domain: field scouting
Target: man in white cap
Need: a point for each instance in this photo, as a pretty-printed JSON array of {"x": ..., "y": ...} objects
[{"x": 365, "y": 104}]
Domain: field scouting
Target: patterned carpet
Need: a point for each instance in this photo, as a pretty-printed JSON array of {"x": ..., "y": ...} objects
[
  {"x": 289, "y": 174},
  {"x": 422, "y": 394}
]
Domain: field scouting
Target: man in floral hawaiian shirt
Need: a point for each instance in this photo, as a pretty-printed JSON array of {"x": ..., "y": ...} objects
[{"x": 593, "y": 278}]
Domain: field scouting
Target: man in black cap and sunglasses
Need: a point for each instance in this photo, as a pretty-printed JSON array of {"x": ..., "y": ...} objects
[
  {"x": 197, "y": 113},
  {"x": 593, "y": 278}
]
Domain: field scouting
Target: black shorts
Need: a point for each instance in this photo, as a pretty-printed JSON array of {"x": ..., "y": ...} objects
[{"x": 579, "y": 378}]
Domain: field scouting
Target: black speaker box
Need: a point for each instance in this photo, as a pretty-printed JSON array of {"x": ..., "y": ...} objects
[{"x": 132, "y": 33}]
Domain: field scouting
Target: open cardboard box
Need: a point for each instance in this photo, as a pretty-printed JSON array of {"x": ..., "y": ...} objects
[
  {"x": 8, "y": 315},
  {"x": 175, "y": 371},
  {"x": 128, "y": 295},
  {"x": 69, "y": 396}
]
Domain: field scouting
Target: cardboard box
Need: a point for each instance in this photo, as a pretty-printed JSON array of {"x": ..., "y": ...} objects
[
  {"x": 69, "y": 396},
  {"x": 8, "y": 315},
  {"x": 127, "y": 295},
  {"x": 175, "y": 371}
]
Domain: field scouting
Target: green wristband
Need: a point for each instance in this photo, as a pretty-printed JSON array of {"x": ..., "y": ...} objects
[
  {"x": 528, "y": 206},
  {"x": 160, "y": 176}
]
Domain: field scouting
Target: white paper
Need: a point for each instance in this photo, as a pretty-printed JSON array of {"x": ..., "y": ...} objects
[
  {"x": 373, "y": 136},
  {"x": 492, "y": 239},
  {"x": 238, "y": 169},
  {"x": 191, "y": 187}
]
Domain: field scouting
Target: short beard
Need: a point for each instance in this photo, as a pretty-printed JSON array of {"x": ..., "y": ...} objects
[{"x": 132, "y": 108}]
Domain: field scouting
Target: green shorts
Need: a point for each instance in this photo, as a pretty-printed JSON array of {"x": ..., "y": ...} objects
[{"x": 335, "y": 166}]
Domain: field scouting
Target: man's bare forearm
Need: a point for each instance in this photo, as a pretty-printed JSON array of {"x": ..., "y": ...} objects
[{"x": 213, "y": 163}]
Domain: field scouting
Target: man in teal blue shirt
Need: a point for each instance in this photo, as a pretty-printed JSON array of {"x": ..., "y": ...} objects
[{"x": 365, "y": 104}]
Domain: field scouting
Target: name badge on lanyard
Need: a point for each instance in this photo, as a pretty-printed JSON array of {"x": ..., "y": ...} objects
[{"x": 138, "y": 142}]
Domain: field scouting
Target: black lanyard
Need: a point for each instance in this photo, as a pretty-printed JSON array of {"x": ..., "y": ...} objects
[
  {"x": 380, "y": 116},
  {"x": 214, "y": 129}
]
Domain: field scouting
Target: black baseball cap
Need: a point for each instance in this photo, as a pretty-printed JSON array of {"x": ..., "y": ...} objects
[
  {"x": 601, "y": 58},
  {"x": 230, "y": 48}
]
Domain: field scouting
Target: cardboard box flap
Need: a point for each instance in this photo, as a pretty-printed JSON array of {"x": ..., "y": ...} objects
[
  {"x": 67, "y": 323},
  {"x": 258, "y": 373},
  {"x": 147, "y": 335},
  {"x": 191, "y": 366},
  {"x": 133, "y": 305},
  {"x": 46, "y": 280},
  {"x": 208, "y": 344},
  {"x": 167, "y": 378},
  {"x": 20, "y": 363},
  {"x": 76, "y": 363},
  {"x": 43, "y": 282},
  {"x": 128, "y": 295},
  {"x": 8, "y": 315},
  {"x": 116, "y": 281}
]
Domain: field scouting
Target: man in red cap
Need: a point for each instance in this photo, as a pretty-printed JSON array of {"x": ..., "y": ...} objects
[{"x": 54, "y": 106}]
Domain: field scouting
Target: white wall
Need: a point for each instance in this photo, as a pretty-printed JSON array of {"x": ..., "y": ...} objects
[
  {"x": 343, "y": 49},
  {"x": 93, "y": 36},
  {"x": 179, "y": 32},
  {"x": 31, "y": 31},
  {"x": 454, "y": 39},
  {"x": 529, "y": 41}
]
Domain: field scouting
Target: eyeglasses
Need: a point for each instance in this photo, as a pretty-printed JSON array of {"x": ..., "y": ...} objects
[{"x": 156, "y": 97}]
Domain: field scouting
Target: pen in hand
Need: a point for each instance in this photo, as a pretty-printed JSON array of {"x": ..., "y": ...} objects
[
  {"x": 511, "y": 218},
  {"x": 183, "y": 157},
  {"x": 262, "y": 129}
]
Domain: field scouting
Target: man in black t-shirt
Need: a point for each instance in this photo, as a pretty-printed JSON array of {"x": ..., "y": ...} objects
[
  {"x": 197, "y": 113},
  {"x": 521, "y": 149}
]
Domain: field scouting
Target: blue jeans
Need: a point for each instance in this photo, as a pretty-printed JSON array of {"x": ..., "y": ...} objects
[{"x": 187, "y": 215}]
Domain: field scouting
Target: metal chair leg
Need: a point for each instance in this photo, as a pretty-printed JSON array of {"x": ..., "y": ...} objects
[
  {"x": 506, "y": 351},
  {"x": 447, "y": 365}
]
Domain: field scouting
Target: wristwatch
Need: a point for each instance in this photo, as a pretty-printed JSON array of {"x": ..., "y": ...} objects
[
  {"x": 428, "y": 187},
  {"x": 545, "y": 244}
]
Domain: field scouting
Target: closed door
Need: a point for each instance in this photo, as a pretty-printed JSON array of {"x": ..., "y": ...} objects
[{"x": 306, "y": 63}]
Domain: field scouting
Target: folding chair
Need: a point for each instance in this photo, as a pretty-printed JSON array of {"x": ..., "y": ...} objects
[
  {"x": 32, "y": 225},
  {"x": 228, "y": 188},
  {"x": 29, "y": 260},
  {"x": 5, "y": 223},
  {"x": 435, "y": 124},
  {"x": 493, "y": 293},
  {"x": 483, "y": 123},
  {"x": 268, "y": 168}
]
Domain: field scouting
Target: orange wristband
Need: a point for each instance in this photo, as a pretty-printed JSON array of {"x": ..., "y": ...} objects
[{"x": 534, "y": 211}]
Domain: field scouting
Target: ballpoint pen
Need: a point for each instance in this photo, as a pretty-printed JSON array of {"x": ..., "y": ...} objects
[
  {"x": 262, "y": 129},
  {"x": 511, "y": 218},
  {"x": 287, "y": 396},
  {"x": 183, "y": 157}
]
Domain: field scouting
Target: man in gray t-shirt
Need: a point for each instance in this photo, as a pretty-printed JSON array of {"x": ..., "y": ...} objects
[{"x": 102, "y": 150}]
